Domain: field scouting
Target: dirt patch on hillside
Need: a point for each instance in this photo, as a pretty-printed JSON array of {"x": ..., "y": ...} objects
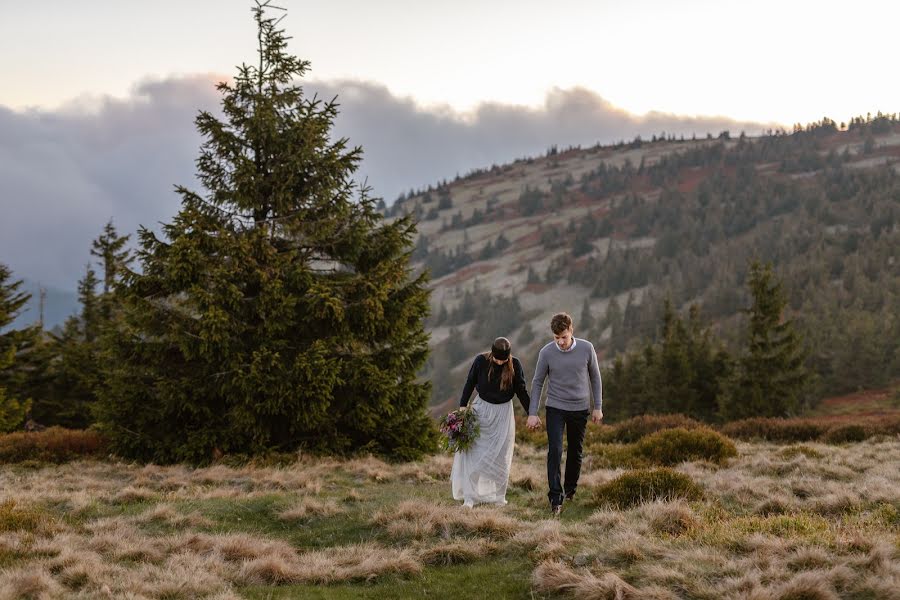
[
  {"x": 691, "y": 179},
  {"x": 467, "y": 273}
]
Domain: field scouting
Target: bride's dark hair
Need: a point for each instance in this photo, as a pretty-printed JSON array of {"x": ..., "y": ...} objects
[{"x": 500, "y": 350}]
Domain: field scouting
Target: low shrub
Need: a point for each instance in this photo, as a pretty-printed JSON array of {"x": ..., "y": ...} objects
[
  {"x": 635, "y": 428},
  {"x": 673, "y": 446},
  {"x": 847, "y": 433},
  {"x": 827, "y": 429},
  {"x": 646, "y": 485},
  {"x": 614, "y": 456},
  {"x": 525, "y": 436},
  {"x": 775, "y": 429},
  {"x": 53, "y": 445}
]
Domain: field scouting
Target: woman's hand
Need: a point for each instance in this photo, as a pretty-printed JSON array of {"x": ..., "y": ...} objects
[{"x": 533, "y": 423}]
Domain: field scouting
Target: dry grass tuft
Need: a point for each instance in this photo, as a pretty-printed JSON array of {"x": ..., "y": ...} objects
[
  {"x": 669, "y": 518},
  {"x": 118, "y": 539},
  {"x": 801, "y": 450},
  {"x": 432, "y": 468},
  {"x": 836, "y": 504},
  {"x": 607, "y": 519},
  {"x": 27, "y": 583},
  {"x": 134, "y": 494},
  {"x": 526, "y": 476},
  {"x": 776, "y": 505},
  {"x": 806, "y": 586},
  {"x": 417, "y": 519},
  {"x": 306, "y": 508},
  {"x": 237, "y": 546},
  {"x": 371, "y": 468},
  {"x": 364, "y": 562},
  {"x": 807, "y": 558},
  {"x": 629, "y": 547},
  {"x": 353, "y": 495},
  {"x": 882, "y": 558},
  {"x": 15, "y": 517},
  {"x": 545, "y": 539},
  {"x": 165, "y": 513},
  {"x": 458, "y": 551},
  {"x": 879, "y": 587},
  {"x": 182, "y": 576},
  {"x": 267, "y": 570},
  {"x": 554, "y": 577},
  {"x": 79, "y": 569}
]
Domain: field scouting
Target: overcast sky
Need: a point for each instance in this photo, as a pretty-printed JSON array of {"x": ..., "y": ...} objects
[{"x": 98, "y": 97}]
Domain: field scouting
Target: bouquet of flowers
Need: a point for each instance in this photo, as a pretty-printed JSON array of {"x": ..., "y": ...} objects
[{"x": 460, "y": 429}]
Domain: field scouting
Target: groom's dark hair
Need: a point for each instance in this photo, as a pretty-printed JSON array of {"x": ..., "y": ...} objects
[{"x": 560, "y": 322}]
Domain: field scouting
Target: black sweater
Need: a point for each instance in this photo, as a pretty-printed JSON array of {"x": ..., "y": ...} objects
[{"x": 489, "y": 389}]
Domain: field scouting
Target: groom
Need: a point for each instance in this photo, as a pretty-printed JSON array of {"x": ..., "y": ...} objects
[{"x": 571, "y": 364}]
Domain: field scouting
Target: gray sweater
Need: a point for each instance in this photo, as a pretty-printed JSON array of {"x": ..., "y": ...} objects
[{"x": 574, "y": 378}]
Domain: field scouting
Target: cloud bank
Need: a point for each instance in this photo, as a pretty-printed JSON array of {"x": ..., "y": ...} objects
[{"x": 64, "y": 173}]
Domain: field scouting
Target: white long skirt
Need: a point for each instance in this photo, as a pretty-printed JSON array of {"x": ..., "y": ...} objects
[{"x": 481, "y": 474}]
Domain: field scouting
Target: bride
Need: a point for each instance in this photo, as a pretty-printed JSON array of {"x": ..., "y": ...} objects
[{"x": 481, "y": 474}]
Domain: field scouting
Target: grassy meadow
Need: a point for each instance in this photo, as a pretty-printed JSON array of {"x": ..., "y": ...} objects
[{"x": 758, "y": 519}]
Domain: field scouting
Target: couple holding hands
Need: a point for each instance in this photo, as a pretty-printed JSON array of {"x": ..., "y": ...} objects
[{"x": 574, "y": 395}]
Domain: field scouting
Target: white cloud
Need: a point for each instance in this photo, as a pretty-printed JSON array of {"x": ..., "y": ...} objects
[{"x": 64, "y": 173}]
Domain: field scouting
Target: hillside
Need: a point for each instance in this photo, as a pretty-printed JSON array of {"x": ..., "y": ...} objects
[
  {"x": 778, "y": 520},
  {"x": 607, "y": 232}
]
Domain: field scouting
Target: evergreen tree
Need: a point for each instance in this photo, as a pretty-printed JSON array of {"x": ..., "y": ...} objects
[
  {"x": 673, "y": 373},
  {"x": 527, "y": 335},
  {"x": 614, "y": 320},
  {"x": 683, "y": 372},
  {"x": 711, "y": 366},
  {"x": 12, "y": 409},
  {"x": 280, "y": 311},
  {"x": 114, "y": 257},
  {"x": 90, "y": 309},
  {"x": 771, "y": 377},
  {"x": 73, "y": 368},
  {"x": 586, "y": 323}
]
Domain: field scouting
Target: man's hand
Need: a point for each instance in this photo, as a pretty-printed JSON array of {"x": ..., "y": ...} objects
[
  {"x": 597, "y": 416},
  {"x": 533, "y": 423}
]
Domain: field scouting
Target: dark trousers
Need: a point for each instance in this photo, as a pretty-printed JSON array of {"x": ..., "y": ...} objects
[{"x": 574, "y": 422}]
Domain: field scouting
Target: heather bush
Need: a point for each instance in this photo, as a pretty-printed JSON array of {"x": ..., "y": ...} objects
[
  {"x": 637, "y": 427},
  {"x": 673, "y": 446},
  {"x": 831, "y": 430},
  {"x": 847, "y": 433},
  {"x": 775, "y": 429},
  {"x": 54, "y": 445},
  {"x": 646, "y": 485}
]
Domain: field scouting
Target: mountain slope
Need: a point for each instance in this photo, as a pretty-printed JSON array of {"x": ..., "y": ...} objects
[{"x": 606, "y": 232}]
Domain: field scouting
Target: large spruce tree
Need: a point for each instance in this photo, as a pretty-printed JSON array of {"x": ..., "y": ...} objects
[
  {"x": 279, "y": 311},
  {"x": 771, "y": 378}
]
